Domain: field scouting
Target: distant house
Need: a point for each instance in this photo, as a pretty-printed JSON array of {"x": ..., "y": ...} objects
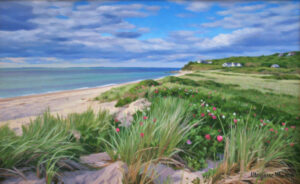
[
  {"x": 291, "y": 53},
  {"x": 232, "y": 65},
  {"x": 280, "y": 54},
  {"x": 202, "y": 61},
  {"x": 275, "y": 66}
]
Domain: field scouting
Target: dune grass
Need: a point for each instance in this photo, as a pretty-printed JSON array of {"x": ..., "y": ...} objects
[
  {"x": 44, "y": 145},
  {"x": 154, "y": 136},
  {"x": 91, "y": 127},
  {"x": 252, "y": 148}
]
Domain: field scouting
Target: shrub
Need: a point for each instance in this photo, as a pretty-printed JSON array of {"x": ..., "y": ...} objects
[{"x": 124, "y": 101}]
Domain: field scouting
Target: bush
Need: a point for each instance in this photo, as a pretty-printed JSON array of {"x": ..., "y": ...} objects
[{"x": 124, "y": 101}]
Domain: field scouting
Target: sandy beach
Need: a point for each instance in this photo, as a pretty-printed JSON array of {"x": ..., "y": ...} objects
[{"x": 18, "y": 111}]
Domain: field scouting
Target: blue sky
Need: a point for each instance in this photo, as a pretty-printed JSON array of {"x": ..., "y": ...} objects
[{"x": 143, "y": 33}]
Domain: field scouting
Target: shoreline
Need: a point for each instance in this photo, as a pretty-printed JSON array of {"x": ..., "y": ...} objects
[{"x": 17, "y": 111}]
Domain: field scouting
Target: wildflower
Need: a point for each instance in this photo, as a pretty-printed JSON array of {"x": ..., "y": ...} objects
[
  {"x": 276, "y": 131},
  {"x": 208, "y": 110},
  {"x": 189, "y": 142},
  {"x": 156, "y": 91},
  {"x": 283, "y": 124},
  {"x": 219, "y": 130},
  {"x": 214, "y": 117},
  {"x": 271, "y": 129},
  {"x": 116, "y": 120},
  {"x": 219, "y": 138},
  {"x": 117, "y": 130},
  {"x": 214, "y": 108},
  {"x": 142, "y": 135},
  {"x": 206, "y": 105},
  {"x": 254, "y": 114},
  {"x": 235, "y": 121},
  {"x": 194, "y": 115},
  {"x": 286, "y": 129},
  {"x": 154, "y": 120},
  {"x": 261, "y": 120},
  {"x": 141, "y": 123},
  {"x": 145, "y": 117},
  {"x": 292, "y": 144},
  {"x": 202, "y": 114},
  {"x": 202, "y": 105},
  {"x": 293, "y": 127},
  {"x": 264, "y": 124},
  {"x": 209, "y": 114},
  {"x": 223, "y": 117},
  {"x": 234, "y": 114},
  {"x": 207, "y": 136}
]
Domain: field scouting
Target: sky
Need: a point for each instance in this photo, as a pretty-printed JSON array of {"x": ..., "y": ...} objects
[{"x": 148, "y": 33}]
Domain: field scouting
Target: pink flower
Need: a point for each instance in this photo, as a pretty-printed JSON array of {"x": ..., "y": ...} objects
[
  {"x": 271, "y": 129},
  {"x": 189, "y": 142},
  {"x": 219, "y": 130},
  {"x": 207, "y": 136},
  {"x": 261, "y": 120},
  {"x": 116, "y": 120},
  {"x": 145, "y": 117},
  {"x": 293, "y": 127},
  {"x": 141, "y": 123},
  {"x": 209, "y": 114},
  {"x": 142, "y": 135},
  {"x": 194, "y": 115},
  {"x": 154, "y": 120},
  {"x": 202, "y": 114},
  {"x": 117, "y": 129},
  {"x": 219, "y": 138},
  {"x": 286, "y": 129},
  {"x": 264, "y": 124},
  {"x": 214, "y": 108},
  {"x": 193, "y": 95},
  {"x": 235, "y": 121},
  {"x": 292, "y": 144},
  {"x": 156, "y": 91},
  {"x": 283, "y": 124},
  {"x": 202, "y": 105},
  {"x": 254, "y": 114},
  {"x": 214, "y": 117}
]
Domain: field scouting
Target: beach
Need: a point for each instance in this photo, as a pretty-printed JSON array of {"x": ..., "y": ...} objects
[{"x": 18, "y": 111}]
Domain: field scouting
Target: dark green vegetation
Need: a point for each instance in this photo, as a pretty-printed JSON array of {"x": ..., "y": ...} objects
[
  {"x": 282, "y": 77},
  {"x": 259, "y": 64}
]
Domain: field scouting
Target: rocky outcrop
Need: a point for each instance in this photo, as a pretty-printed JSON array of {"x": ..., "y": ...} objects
[{"x": 97, "y": 160}]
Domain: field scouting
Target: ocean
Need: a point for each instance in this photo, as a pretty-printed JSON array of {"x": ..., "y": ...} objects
[{"x": 27, "y": 81}]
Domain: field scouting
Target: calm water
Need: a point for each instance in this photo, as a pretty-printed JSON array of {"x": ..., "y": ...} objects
[{"x": 26, "y": 81}]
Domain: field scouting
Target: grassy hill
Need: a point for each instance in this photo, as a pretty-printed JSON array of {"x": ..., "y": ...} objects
[{"x": 257, "y": 64}]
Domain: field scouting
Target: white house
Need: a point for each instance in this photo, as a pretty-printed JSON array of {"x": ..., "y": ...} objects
[
  {"x": 275, "y": 66},
  {"x": 232, "y": 65},
  {"x": 291, "y": 53},
  {"x": 202, "y": 61}
]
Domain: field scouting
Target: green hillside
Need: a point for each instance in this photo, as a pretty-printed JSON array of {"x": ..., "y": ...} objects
[{"x": 258, "y": 64}]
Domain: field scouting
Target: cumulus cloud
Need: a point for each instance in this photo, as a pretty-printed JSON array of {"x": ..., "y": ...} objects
[{"x": 99, "y": 33}]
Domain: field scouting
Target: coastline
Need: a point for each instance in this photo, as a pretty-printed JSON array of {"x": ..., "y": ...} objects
[{"x": 17, "y": 111}]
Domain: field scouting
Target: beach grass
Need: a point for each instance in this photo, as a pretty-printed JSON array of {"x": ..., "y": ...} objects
[{"x": 44, "y": 145}]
